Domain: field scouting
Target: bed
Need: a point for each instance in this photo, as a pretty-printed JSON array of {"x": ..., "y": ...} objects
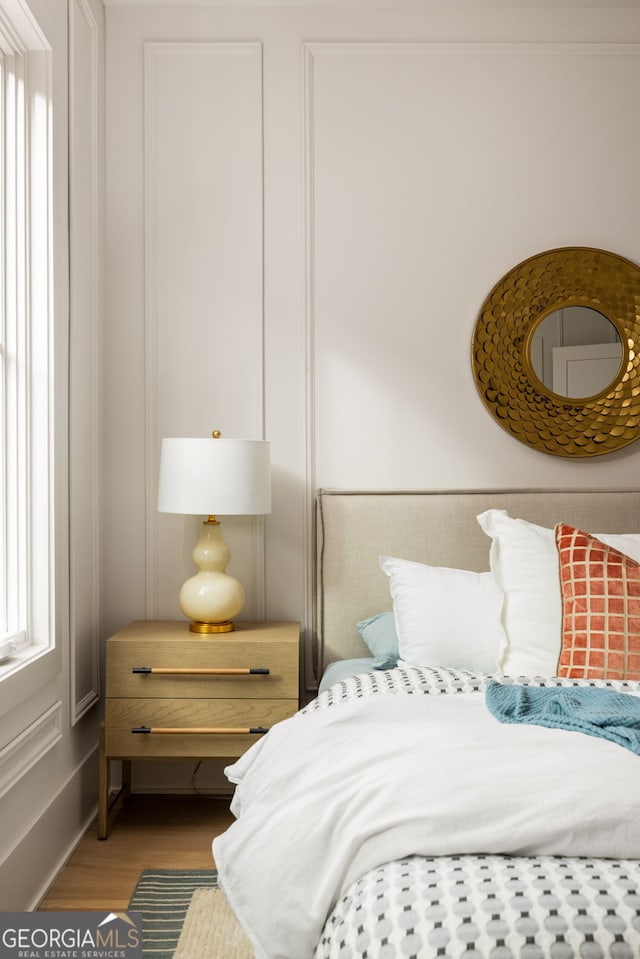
[{"x": 472, "y": 792}]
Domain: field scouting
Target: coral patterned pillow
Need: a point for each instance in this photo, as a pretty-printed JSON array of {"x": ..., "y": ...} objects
[{"x": 600, "y": 608}]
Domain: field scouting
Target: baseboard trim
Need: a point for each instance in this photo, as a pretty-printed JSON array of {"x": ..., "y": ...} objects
[
  {"x": 39, "y": 853},
  {"x": 68, "y": 852}
]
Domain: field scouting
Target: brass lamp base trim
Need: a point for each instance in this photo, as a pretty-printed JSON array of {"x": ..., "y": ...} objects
[{"x": 211, "y": 627}]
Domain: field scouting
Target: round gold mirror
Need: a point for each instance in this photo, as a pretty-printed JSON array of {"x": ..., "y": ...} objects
[{"x": 554, "y": 352}]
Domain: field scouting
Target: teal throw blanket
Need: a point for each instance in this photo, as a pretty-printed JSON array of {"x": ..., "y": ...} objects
[{"x": 585, "y": 709}]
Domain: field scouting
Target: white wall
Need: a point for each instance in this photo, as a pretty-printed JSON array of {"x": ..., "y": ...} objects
[{"x": 306, "y": 210}]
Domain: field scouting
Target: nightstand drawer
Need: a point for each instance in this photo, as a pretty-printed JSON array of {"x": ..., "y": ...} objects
[
  {"x": 127, "y": 713},
  {"x": 127, "y": 745},
  {"x": 124, "y": 715},
  {"x": 261, "y": 648}
]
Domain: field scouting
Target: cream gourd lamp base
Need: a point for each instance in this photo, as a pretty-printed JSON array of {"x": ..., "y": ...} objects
[
  {"x": 212, "y": 587},
  {"x": 213, "y": 476}
]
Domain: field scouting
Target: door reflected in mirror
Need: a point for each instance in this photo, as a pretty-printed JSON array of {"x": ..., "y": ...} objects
[{"x": 576, "y": 352}]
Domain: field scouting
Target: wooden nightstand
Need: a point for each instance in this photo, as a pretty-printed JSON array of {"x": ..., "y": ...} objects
[{"x": 175, "y": 694}]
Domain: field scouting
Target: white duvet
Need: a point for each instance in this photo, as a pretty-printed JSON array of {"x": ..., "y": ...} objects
[{"x": 332, "y": 793}]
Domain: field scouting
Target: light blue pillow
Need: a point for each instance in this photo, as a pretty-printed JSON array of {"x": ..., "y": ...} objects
[{"x": 379, "y": 633}]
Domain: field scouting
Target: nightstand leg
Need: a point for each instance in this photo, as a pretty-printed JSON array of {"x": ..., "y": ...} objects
[
  {"x": 103, "y": 787},
  {"x": 126, "y": 778}
]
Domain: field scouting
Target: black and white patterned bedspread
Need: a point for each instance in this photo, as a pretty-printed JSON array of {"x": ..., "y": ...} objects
[
  {"x": 489, "y": 907},
  {"x": 440, "y": 681},
  {"x": 482, "y": 906}
]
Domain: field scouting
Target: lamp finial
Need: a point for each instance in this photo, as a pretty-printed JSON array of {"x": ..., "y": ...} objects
[{"x": 216, "y": 434}]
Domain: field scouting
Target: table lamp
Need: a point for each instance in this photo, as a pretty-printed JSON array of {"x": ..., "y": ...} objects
[{"x": 212, "y": 477}]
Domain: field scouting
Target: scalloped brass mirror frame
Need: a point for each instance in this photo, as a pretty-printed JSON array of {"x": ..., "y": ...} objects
[{"x": 511, "y": 391}]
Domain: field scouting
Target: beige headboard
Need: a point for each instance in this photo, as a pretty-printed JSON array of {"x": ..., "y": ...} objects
[{"x": 436, "y": 527}]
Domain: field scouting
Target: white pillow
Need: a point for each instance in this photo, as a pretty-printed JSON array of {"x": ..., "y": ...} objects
[
  {"x": 524, "y": 561},
  {"x": 445, "y": 617}
]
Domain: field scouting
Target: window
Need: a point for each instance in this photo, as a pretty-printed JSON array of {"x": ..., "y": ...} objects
[{"x": 26, "y": 346}]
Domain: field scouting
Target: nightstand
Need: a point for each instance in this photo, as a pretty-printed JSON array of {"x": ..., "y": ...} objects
[{"x": 174, "y": 694}]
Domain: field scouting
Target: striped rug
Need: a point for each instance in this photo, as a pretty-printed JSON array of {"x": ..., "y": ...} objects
[{"x": 163, "y": 896}]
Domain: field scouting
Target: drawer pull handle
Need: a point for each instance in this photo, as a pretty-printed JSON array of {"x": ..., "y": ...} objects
[
  {"x": 197, "y": 671},
  {"x": 208, "y": 730}
]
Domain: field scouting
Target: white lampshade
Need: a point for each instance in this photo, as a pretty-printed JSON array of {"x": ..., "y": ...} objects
[{"x": 214, "y": 476}]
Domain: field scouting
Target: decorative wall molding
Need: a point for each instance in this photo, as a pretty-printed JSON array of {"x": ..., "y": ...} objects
[
  {"x": 315, "y": 49},
  {"x": 309, "y": 285},
  {"x": 85, "y": 111},
  {"x": 29, "y": 747},
  {"x": 232, "y": 334}
]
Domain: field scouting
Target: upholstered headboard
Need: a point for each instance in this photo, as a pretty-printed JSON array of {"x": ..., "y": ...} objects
[{"x": 436, "y": 527}]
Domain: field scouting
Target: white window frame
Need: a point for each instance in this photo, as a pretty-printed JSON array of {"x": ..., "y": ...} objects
[{"x": 27, "y": 583}]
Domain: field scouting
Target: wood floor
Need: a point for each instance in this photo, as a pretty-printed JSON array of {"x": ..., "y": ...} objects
[{"x": 150, "y": 832}]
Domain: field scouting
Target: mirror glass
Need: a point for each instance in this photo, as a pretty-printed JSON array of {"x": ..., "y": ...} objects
[{"x": 576, "y": 352}]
